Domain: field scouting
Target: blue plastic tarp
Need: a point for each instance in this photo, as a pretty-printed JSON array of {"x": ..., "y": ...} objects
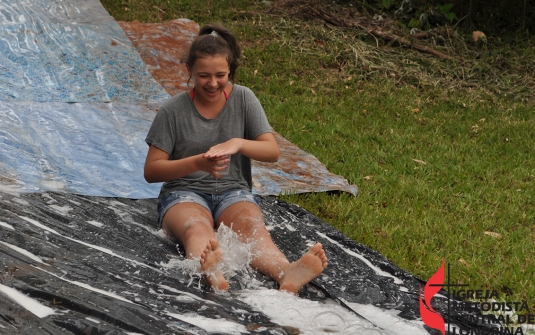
[
  {"x": 83, "y": 148},
  {"x": 76, "y": 102},
  {"x": 70, "y": 51}
]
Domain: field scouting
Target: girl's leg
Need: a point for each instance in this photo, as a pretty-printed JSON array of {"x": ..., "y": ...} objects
[
  {"x": 247, "y": 221},
  {"x": 192, "y": 225}
]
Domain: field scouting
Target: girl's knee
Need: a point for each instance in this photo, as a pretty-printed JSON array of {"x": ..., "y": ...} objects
[{"x": 198, "y": 227}]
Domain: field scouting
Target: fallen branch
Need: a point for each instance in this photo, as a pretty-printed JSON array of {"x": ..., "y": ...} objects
[
  {"x": 446, "y": 32},
  {"x": 378, "y": 33},
  {"x": 408, "y": 43}
]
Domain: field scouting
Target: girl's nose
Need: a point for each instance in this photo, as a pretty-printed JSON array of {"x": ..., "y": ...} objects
[{"x": 213, "y": 81}]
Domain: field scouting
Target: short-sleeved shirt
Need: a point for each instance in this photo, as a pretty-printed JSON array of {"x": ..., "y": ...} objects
[{"x": 181, "y": 131}]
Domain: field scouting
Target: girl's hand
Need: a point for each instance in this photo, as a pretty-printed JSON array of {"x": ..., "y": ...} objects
[
  {"x": 224, "y": 149},
  {"x": 213, "y": 165}
]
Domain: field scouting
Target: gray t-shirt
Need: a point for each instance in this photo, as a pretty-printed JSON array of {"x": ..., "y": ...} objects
[{"x": 181, "y": 131}]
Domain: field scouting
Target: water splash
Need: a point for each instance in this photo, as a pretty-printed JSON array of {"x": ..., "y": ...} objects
[
  {"x": 237, "y": 256},
  {"x": 309, "y": 317},
  {"x": 235, "y": 267}
]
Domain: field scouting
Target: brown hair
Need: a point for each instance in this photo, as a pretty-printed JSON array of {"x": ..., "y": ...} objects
[{"x": 213, "y": 40}]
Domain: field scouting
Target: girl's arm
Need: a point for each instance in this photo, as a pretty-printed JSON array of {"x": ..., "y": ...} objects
[
  {"x": 264, "y": 148},
  {"x": 158, "y": 167}
]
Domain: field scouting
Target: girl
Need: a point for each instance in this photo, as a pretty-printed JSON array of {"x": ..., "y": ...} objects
[{"x": 218, "y": 126}]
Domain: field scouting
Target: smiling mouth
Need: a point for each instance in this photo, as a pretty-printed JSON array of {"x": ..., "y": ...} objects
[{"x": 211, "y": 92}]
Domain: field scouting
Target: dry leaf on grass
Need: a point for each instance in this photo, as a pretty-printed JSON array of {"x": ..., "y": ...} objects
[
  {"x": 479, "y": 36},
  {"x": 493, "y": 234},
  {"x": 463, "y": 262},
  {"x": 419, "y": 161}
]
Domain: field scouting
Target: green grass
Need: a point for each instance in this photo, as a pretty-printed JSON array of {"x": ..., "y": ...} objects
[{"x": 440, "y": 171}]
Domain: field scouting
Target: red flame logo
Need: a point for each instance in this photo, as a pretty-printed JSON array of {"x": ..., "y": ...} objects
[{"x": 430, "y": 317}]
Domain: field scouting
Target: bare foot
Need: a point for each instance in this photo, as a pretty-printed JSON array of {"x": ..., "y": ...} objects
[
  {"x": 210, "y": 258},
  {"x": 302, "y": 271}
]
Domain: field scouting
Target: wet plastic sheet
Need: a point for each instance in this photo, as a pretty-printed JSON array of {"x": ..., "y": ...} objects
[
  {"x": 91, "y": 265},
  {"x": 91, "y": 147},
  {"x": 69, "y": 51},
  {"x": 85, "y": 148},
  {"x": 99, "y": 149}
]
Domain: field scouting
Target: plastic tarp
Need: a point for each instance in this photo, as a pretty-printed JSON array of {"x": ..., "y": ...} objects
[
  {"x": 73, "y": 51},
  {"x": 75, "y": 264},
  {"x": 99, "y": 149},
  {"x": 85, "y": 148},
  {"x": 76, "y": 101},
  {"x": 296, "y": 172},
  {"x": 69, "y": 51}
]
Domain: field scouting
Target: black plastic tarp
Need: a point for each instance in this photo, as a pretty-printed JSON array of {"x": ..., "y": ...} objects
[{"x": 96, "y": 265}]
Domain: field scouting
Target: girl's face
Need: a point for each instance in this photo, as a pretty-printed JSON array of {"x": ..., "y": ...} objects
[{"x": 210, "y": 77}]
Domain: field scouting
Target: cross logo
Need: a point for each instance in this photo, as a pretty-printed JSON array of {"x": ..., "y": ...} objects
[{"x": 430, "y": 317}]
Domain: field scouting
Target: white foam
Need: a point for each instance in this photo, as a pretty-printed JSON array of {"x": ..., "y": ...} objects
[
  {"x": 11, "y": 189},
  {"x": 50, "y": 199},
  {"x": 102, "y": 249},
  {"x": 53, "y": 184},
  {"x": 30, "y": 304},
  {"x": 377, "y": 270},
  {"x": 92, "y": 320},
  {"x": 62, "y": 210},
  {"x": 89, "y": 287},
  {"x": 191, "y": 267},
  {"x": 95, "y": 223},
  {"x": 24, "y": 252},
  {"x": 6, "y": 225},
  {"x": 164, "y": 237},
  {"x": 236, "y": 255},
  {"x": 187, "y": 294},
  {"x": 310, "y": 317},
  {"x": 389, "y": 320},
  {"x": 290, "y": 227},
  {"x": 76, "y": 202},
  {"x": 21, "y": 201},
  {"x": 219, "y": 326},
  {"x": 126, "y": 216},
  {"x": 328, "y": 317},
  {"x": 125, "y": 206}
]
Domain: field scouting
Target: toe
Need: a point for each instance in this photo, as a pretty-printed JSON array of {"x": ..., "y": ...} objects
[
  {"x": 214, "y": 244},
  {"x": 316, "y": 248}
]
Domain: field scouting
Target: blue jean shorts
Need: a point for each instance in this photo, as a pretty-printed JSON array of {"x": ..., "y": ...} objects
[{"x": 214, "y": 203}]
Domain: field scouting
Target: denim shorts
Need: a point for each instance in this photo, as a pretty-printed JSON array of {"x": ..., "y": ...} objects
[{"x": 214, "y": 203}]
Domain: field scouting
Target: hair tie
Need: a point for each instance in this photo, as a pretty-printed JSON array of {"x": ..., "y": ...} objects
[{"x": 214, "y": 33}]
